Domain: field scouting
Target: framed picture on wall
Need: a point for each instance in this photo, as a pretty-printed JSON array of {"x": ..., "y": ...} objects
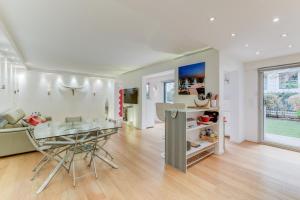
[{"x": 191, "y": 79}]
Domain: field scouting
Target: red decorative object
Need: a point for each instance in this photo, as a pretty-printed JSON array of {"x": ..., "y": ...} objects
[
  {"x": 35, "y": 120},
  {"x": 121, "y": 92}
]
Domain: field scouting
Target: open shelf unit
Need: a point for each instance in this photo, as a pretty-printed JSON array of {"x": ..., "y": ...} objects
[{"x": 177, "y": 134}]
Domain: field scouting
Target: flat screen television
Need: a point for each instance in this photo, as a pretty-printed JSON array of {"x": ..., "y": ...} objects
[{"x": 131, "y": 96}]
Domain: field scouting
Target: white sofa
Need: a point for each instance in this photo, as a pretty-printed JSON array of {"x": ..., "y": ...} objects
[{"x": 13, "y": 138}]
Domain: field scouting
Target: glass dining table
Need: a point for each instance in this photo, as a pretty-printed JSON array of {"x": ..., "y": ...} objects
[{"x": 62, "y": 134}]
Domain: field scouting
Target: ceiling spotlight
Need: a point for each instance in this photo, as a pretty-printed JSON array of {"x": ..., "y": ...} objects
[
  {"x": 257, "y": 52},
  {"x": 212, "y": 19},
  {"x": 290, "y": 46},
  {"x": 284, "y": 35},
  {"x": 276, "y": 19},
  {"x": 246, "y": 45},
  {"x": 233, "y": 35}
]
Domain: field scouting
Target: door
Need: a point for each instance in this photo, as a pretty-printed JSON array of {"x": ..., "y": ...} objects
[{"x": 280, "y": 110}]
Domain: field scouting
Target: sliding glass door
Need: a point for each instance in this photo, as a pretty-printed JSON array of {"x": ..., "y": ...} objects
[{"x": 281, "y": 106}]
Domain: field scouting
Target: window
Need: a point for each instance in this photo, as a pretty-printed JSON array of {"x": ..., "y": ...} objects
[
  {"x": 169, "y": 91},
  {"x": 288, "y": 80},
  {"x": 265, "y": 82}
]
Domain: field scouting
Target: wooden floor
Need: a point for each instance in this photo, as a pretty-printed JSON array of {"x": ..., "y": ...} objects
[{"x": 247, "y": 171}]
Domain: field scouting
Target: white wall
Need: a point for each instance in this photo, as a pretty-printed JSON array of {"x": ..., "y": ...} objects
[
  {"x": 134, "y": 79},
  {"x": 251, "y": 111},
  {"x": 34, "y": 87},
  {"x": 232, "y": 96},
  {"x": 7, "y": 77}
]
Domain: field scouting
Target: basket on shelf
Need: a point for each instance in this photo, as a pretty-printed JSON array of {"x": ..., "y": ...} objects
[{"x": 208, "y": 138}]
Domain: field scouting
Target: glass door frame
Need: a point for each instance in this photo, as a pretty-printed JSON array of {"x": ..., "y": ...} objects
[{"x": 261, "y": 112}]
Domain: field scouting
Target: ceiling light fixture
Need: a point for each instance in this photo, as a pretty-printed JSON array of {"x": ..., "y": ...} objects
[
  {"x": 233, "y": 35},
  {"x": 290, "y": 46},
  {"x": 284, "y": 35},
  {"x": 257, "y": 52},
  {"x": 246, "y": 45},
  {"x": 276, "y": 19},
  {"x": 212, "y": 19}
]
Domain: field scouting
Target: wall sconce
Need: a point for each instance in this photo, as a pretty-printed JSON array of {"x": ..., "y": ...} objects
[
  {"x": 16, "y": 91},
  {"x": 226, "y": 78},
  {"x": 49, "y": 90}
]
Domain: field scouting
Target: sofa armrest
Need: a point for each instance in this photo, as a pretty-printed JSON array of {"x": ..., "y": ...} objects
[{"x": 9, "y": 130}]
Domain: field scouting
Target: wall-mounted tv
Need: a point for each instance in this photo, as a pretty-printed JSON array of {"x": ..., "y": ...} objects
[{"x": 131, "y": 96}]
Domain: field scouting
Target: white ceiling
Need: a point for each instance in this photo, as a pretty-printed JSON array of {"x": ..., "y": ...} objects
[{"x": 110, "y": 37}]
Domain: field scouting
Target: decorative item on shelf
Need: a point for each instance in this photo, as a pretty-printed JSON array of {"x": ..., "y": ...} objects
[
  {"x": 212, "y": 138},
  {"x": 213, "y": 101},
  {"x": 191, "y": 123},
  {"x": 214, "y": 115},
  {"x": 188, "y": 145},
  {"x": 72, "y": 88},
  {"x": 208, "y": 135},
  {"x": 202, "y": 103},
  {"x": 196, "y": 144},
  {"x": 205, "y": 118}
]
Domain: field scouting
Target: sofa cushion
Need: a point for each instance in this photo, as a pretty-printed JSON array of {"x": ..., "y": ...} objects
[
  {"x": 3, "y": 123},
  {"x": 13, "y": 116}
]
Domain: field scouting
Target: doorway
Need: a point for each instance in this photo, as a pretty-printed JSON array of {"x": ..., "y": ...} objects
[
  {"x": 280, "y": 110},
  {"x": 159, "y": 88}
]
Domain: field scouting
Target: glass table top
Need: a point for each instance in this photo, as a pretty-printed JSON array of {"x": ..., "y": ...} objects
[{"x": 55, "y": 129}]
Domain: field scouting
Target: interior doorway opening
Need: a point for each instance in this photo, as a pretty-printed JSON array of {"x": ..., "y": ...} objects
[{"x": 159, "y": 88}]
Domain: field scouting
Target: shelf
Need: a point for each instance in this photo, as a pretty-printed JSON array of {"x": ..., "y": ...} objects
[
  {"x": 205, "y": 145},
  {"x": 200, "y": 158},
  {"x": 195, "y": 109},
  {"x": 201, "y": 127}
]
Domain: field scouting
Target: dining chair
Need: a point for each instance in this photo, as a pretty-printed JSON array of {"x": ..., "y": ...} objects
[
  {"x": 51, "y": 150},
  {"x": 84, "y": 143},
  {"x": 73, "y": 119}
]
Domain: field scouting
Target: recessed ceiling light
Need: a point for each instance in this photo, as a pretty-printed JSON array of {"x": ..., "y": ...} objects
[
  {"x": 246, "y": 45},
  {"x": 257, "y": 52},
  {"x": 233, "y": 35},
  {"x": 284, "y": 35},
  {"x": 290, "y": 46},
  {"x": 276, "y": 19},
  {"x": 212, "y": 19}
]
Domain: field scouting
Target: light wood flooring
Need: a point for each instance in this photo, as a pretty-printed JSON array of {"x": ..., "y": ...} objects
[{"x": 246, "y": 171}]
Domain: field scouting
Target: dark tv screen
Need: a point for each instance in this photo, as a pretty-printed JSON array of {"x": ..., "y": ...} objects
[{"x": 131, "y": 96}]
